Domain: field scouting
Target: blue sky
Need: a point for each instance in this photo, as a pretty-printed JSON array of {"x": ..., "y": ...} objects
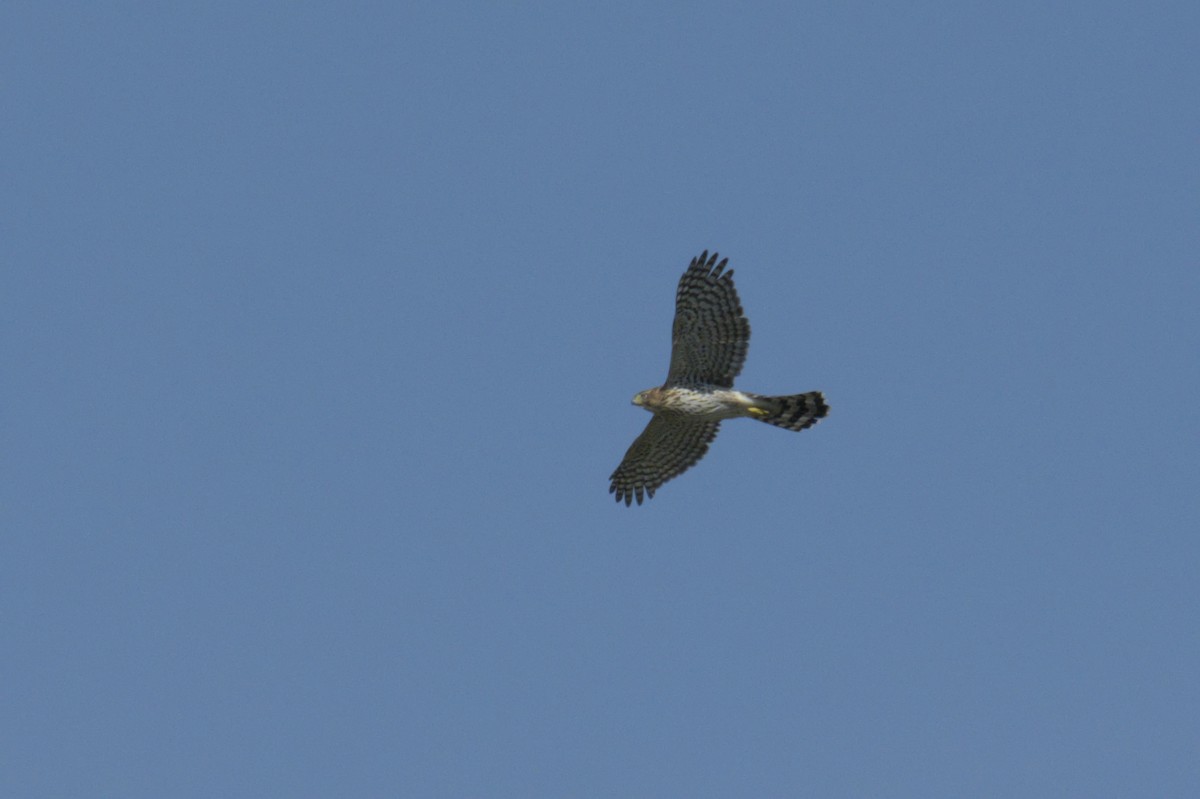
[{"x": 321, "y": 323}]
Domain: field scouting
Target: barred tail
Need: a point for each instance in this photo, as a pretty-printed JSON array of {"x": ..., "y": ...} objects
[{"x": 795, "y": 412}]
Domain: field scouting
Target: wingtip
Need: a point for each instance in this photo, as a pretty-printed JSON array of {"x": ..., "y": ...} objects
[{"x": 713, "y": 263}]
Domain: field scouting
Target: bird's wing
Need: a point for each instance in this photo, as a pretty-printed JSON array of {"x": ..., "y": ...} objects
[
  {"x": 710, "y": 335},
  {"x": 666, "y": 448}
]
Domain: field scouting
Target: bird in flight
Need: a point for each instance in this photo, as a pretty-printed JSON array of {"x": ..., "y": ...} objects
[{"x": 708, "y": 347}]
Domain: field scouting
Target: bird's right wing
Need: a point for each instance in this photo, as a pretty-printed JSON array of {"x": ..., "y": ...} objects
[{"x": 666, "y": 448}]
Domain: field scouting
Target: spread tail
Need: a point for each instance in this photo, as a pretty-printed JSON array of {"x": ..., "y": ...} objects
[{"x": 794, "y": 412}]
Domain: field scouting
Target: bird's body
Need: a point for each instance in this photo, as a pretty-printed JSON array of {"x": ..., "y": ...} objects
[
  {"x": 708, "y": 403},
  {"x": 702, "y": 403},
  {"x": 709, "y": 342}
]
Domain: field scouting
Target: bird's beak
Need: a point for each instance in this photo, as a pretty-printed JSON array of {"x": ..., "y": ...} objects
[{"x": 637, "y": 399}]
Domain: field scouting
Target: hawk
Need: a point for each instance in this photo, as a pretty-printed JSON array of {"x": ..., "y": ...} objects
[{"x": 708, "y": 347}]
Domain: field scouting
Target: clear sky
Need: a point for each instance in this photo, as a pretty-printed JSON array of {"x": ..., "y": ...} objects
[{"x": 320, "y": 327}]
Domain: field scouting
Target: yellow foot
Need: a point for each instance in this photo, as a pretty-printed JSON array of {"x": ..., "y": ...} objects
[{"x": 758, "y": 413}]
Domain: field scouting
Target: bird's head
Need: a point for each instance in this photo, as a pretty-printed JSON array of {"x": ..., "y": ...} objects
[{"x": 639, "y": 398}]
